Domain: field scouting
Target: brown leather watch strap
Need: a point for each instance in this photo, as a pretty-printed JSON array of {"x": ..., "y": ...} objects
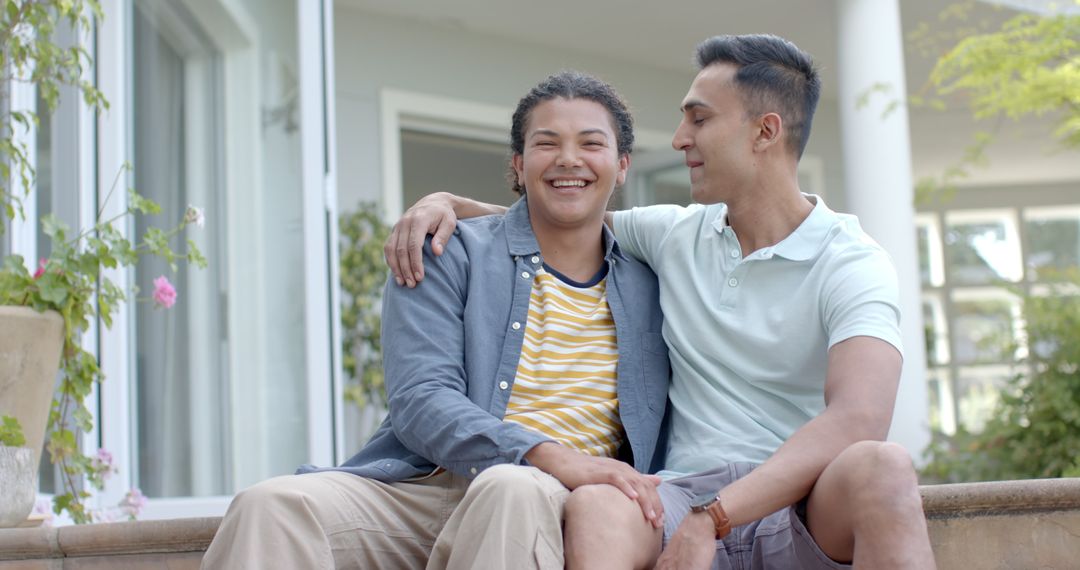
[{"x": 720, "y": 519}]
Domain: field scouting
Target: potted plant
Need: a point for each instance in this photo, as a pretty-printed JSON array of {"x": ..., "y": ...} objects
[{"x": 46, "y": 306}]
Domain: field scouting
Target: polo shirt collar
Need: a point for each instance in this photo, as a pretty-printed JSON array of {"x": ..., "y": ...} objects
[
  {"x": 803, "y": 243},
  {"x": 522, "y": 241}
]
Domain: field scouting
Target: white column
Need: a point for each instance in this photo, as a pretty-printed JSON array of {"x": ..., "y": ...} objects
[
  {"x": 879, "y": 186},
  {"x": 317, "y": 308}
]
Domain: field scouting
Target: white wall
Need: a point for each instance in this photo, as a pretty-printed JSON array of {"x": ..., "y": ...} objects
[
  {"x": 1023, "y": 153},
  {"x": 375, "y": 51}
]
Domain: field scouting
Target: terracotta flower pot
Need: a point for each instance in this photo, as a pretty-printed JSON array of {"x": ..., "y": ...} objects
[{"x": 30, "y": 345}]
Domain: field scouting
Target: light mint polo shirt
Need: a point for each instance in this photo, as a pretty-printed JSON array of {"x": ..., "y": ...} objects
[{"x": 749, "y": 335}]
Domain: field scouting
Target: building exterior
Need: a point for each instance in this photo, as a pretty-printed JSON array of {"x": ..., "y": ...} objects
[{"x": 277, "y": 115}]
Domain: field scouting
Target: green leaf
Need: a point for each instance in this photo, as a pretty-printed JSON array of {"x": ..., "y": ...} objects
[
  {"x": 11, "y": 433},
  {"x": 138, "y": 203},
  {"x": 52, "y": 290},
  {"x": 83, "y": 419}
]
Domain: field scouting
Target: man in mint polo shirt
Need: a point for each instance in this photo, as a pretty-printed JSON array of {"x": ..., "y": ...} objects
[{"x": 782, "y": 321}]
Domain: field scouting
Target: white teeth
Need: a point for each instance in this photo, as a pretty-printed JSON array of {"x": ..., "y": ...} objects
[{"x": 565, "y": 183}]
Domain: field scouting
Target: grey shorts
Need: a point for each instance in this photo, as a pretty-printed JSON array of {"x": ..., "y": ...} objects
[{"x": 778, "y": 541}]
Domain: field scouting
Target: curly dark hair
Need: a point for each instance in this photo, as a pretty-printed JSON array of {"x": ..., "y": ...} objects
[
  {"x": 774, "y": 76},
  {"x": 570, "y": 85}
]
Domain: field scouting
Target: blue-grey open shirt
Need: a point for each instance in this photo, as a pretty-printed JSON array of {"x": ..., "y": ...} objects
[{"x": 451, "y": 354}]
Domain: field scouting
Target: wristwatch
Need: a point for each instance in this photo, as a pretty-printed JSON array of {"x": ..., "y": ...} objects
[{"x": 710, "y": 503}]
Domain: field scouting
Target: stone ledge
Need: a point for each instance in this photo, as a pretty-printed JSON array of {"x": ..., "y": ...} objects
[
  {"x": 1000, "y": 498},
  {"x": 1004, "y": 524},
  {"x": 109, "y": 539},
  {"x": 28, "y": 543}
]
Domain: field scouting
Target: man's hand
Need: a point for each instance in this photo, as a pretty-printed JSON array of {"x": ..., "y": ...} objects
[
  {"x": 404, "y": 249},
  {"x": 693, "y": 545},
  {"x": 574, "y": 469}
]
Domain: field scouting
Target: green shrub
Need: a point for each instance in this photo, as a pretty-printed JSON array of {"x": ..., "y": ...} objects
[
  {"x": 363, "y": 273},
  {"x": 1035, "y": 429}
]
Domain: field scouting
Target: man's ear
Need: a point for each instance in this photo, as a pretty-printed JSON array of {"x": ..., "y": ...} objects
[
  {"x": 624, "y": 167},
  {"x": 518, "y": 162},
  {"x": 770, "y": 131}
]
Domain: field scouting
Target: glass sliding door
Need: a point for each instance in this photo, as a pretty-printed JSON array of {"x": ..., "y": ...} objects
[
  {"x": 220, "y": 383},
  {"x": 180, "y": 380}
]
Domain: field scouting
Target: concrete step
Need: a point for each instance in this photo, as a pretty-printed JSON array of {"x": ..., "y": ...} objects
[{"x": 1004, "y": 524}]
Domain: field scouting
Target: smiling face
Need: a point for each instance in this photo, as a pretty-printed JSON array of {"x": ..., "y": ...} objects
[
  {"x": 716, "y": 136},
  {"x": 570, "y": 164}
]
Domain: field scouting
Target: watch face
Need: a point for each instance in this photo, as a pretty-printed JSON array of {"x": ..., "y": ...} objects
[{"x": 703, "y": 500}]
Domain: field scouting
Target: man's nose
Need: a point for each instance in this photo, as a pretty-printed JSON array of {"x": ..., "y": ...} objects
[
  {"x": 680, "y": 141},
  {"x": 568, "y": 157}
]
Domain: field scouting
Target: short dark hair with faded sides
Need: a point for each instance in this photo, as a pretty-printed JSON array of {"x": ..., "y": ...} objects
[{"x": 773, "y": 75}]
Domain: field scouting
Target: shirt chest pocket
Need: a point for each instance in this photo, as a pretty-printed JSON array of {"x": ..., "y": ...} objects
[{"x": 656, "y": 370}]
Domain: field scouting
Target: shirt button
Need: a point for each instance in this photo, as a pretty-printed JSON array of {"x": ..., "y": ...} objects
[
  {"x": 516, "y": 325},
  {"x": 524, "y": 274},
  {"x": 504, "y": 385},
  {"x": 734, "y": 253},
  {"x": 472, "y": 470},
  {"x": 516, "y": 258},
  {"x": 536, "y": 259},
  {"x": 733, "y": 282}
]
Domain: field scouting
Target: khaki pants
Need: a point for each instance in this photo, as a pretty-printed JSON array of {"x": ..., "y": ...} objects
[{"x": 510, "y": 516}]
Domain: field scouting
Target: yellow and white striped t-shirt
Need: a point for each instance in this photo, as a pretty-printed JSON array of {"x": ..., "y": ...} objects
[{"x": 565, "y": 384}]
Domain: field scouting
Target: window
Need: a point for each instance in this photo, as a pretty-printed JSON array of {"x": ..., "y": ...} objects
[
  {"x": 972, "y": 275},
  {"x": 982, "y": 246},
  {"x": 181, "y": 378},
  {"x": 235, "y": 383},
  {"x": 1053, "y": 236},
  {"x": 475, "y": 168},
  {"x": 219, "y": 382}
]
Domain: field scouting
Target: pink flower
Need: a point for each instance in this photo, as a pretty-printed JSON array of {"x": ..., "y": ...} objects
[
  {"x": 132, "y": 503},
  {"x": 103, "y": 463},
  {"x": 104, "y": 456},
  {"x": 41, "y": 268},
  {"x": 44, "y": 509},
  {"x": 194, "y": 215},
  {"x": 164, "y": 293}
]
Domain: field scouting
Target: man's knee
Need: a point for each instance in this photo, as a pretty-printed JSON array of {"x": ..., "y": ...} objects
[
  {"x": 877, "y": 460},
  {"x": 515, "y": 481},
  {"x": 271, "y": 497},
  {"x": 605, "y": 529},
  {"x": 598, "y": 501},
  {"x": 877, "y": 473}
]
